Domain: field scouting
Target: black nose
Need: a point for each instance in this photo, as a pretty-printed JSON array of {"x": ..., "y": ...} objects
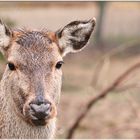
[{"x": 40, "y": 109}]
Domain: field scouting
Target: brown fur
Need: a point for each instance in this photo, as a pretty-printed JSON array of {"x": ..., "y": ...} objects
[
  {"x": 35, "y": 65},
  {"x": 35, "y": 55}
]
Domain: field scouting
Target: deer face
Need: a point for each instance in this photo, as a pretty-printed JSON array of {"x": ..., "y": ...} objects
[{"x": 33, "y": 73}]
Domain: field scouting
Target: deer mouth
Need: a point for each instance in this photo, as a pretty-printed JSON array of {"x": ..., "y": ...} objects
[
  {"x": 39, "y": 115},
  {"x": 39, "y": 119}
]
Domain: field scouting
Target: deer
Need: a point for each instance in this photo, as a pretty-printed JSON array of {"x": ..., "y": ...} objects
[{"x": 30, "y": 87}]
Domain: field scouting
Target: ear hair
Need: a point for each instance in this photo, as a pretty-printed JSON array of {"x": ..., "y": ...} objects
[
  {"x": 5, "y": 35},
  {"x": 74, "y": 36}
]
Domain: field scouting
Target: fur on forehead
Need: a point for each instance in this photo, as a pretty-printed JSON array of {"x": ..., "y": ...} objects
[
  {"x": 34, "y": 43},
  {"x": 27, "y": 38}
]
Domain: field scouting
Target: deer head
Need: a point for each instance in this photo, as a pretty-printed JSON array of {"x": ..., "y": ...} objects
[{"x": 33, "y": 73}]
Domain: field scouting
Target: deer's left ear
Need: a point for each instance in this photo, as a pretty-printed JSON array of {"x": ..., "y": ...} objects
[{"x": 74, "y": 36}]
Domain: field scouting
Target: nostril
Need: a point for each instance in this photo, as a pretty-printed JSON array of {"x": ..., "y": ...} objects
[
  {"x": 40, "y": 108},
  {"x": 41, "y": 111}
]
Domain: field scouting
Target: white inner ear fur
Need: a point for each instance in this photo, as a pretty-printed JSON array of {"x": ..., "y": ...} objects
[
  {"x": 86, "y": 27},
  {"x": 4, "y": 39},
  {"x": 64, "y": 41}
]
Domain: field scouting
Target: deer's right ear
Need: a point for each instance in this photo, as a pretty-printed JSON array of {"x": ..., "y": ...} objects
[{"x": 5, "y": 37}]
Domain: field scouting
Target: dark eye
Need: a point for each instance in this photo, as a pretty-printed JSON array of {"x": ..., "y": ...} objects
[
  {"x": 59, "y": 64},
  {"x": 11, "y": 66}
]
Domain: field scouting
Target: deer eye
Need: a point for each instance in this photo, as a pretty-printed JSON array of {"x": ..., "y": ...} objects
[
  {"x": 11, "y": 66},
  {"x": 59, "y": 64}
]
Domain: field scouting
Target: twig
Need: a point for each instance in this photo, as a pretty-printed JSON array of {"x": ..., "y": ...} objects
[
  {"x": 101, "y": 95},
  {"x": 133, "y": 105},
  {"x": 102, "y": 65},
  {"x": 105, "y": 60},
  {"x": 127, "y": 87}
]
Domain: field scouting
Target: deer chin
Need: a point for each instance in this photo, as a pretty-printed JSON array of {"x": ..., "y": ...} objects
[
  {"x": 33, "y": 120},
  {"x": 39, "y": 122}
]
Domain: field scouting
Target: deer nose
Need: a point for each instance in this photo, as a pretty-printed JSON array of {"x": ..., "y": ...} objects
[{"x": 40, "y": 109}]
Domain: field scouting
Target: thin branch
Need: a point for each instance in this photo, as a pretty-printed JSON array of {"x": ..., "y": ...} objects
[
  {"x": 100, "y": 96},
  {"x": 105, "y": 59},
  {"x": 102, "y": 65},
  {"x": 133, "y": 104},
  {"x": 123, "y": 88}
]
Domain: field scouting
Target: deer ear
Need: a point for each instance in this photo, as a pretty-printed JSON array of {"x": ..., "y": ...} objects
[
  {"x": 74, "y": 36},
  {"x": 5, "y": 37}
]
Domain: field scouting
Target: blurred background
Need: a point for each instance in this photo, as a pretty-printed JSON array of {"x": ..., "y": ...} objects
[{"x": 113, "y": 48}]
